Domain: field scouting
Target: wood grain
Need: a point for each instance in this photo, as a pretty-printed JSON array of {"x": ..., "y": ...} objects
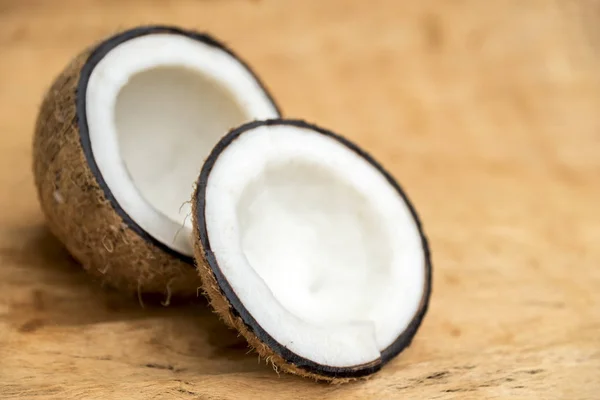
[{"x": 486, "y": 112}]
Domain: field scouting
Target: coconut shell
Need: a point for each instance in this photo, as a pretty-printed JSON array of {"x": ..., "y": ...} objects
[
  {"x": 78, "y": 205},
  {"x": 228, "y": 306}
]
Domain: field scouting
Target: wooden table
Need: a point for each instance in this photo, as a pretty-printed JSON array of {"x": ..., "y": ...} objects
[{"x": 488, "y": 113}]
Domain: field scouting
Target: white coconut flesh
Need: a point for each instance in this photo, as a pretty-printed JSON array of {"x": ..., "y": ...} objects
[
  {"x": 321, "y": 250},
  {"x": 156, "y": 106}
]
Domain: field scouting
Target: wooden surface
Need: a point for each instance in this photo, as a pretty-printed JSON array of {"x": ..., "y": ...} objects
[{"x": 488, "y": 112}]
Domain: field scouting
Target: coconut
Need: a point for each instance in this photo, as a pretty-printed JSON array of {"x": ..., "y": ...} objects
[
  {"x": 119, "y": 141},
  {"x": 310, "y": 249}
]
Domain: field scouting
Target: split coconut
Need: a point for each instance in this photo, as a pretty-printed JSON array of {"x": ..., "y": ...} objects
[
  {"x": 303, "y": 242},
  {"x": 120, "y": 139},
  {"x": 310, "y": 249}
]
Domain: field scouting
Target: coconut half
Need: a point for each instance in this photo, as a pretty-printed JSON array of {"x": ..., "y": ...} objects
[
  {"x": 310, "y": 249},
  {"x": 119, "y": 142}
]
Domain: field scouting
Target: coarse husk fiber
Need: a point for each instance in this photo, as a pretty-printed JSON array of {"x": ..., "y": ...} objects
[{"x": 78, "y": 211}]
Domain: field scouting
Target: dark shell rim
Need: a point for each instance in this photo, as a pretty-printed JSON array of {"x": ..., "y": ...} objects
[
  {"x": 401, "y": 342},
  {"x": 97, "y": 54}
]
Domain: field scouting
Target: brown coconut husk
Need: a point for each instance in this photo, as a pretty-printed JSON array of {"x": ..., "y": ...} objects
[{"x": 80, "y": 215}]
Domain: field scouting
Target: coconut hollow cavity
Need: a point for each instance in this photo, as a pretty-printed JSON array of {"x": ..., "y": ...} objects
[
  {"x": 119, "y": 141},
  {"x": 310, "y": 249}
]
